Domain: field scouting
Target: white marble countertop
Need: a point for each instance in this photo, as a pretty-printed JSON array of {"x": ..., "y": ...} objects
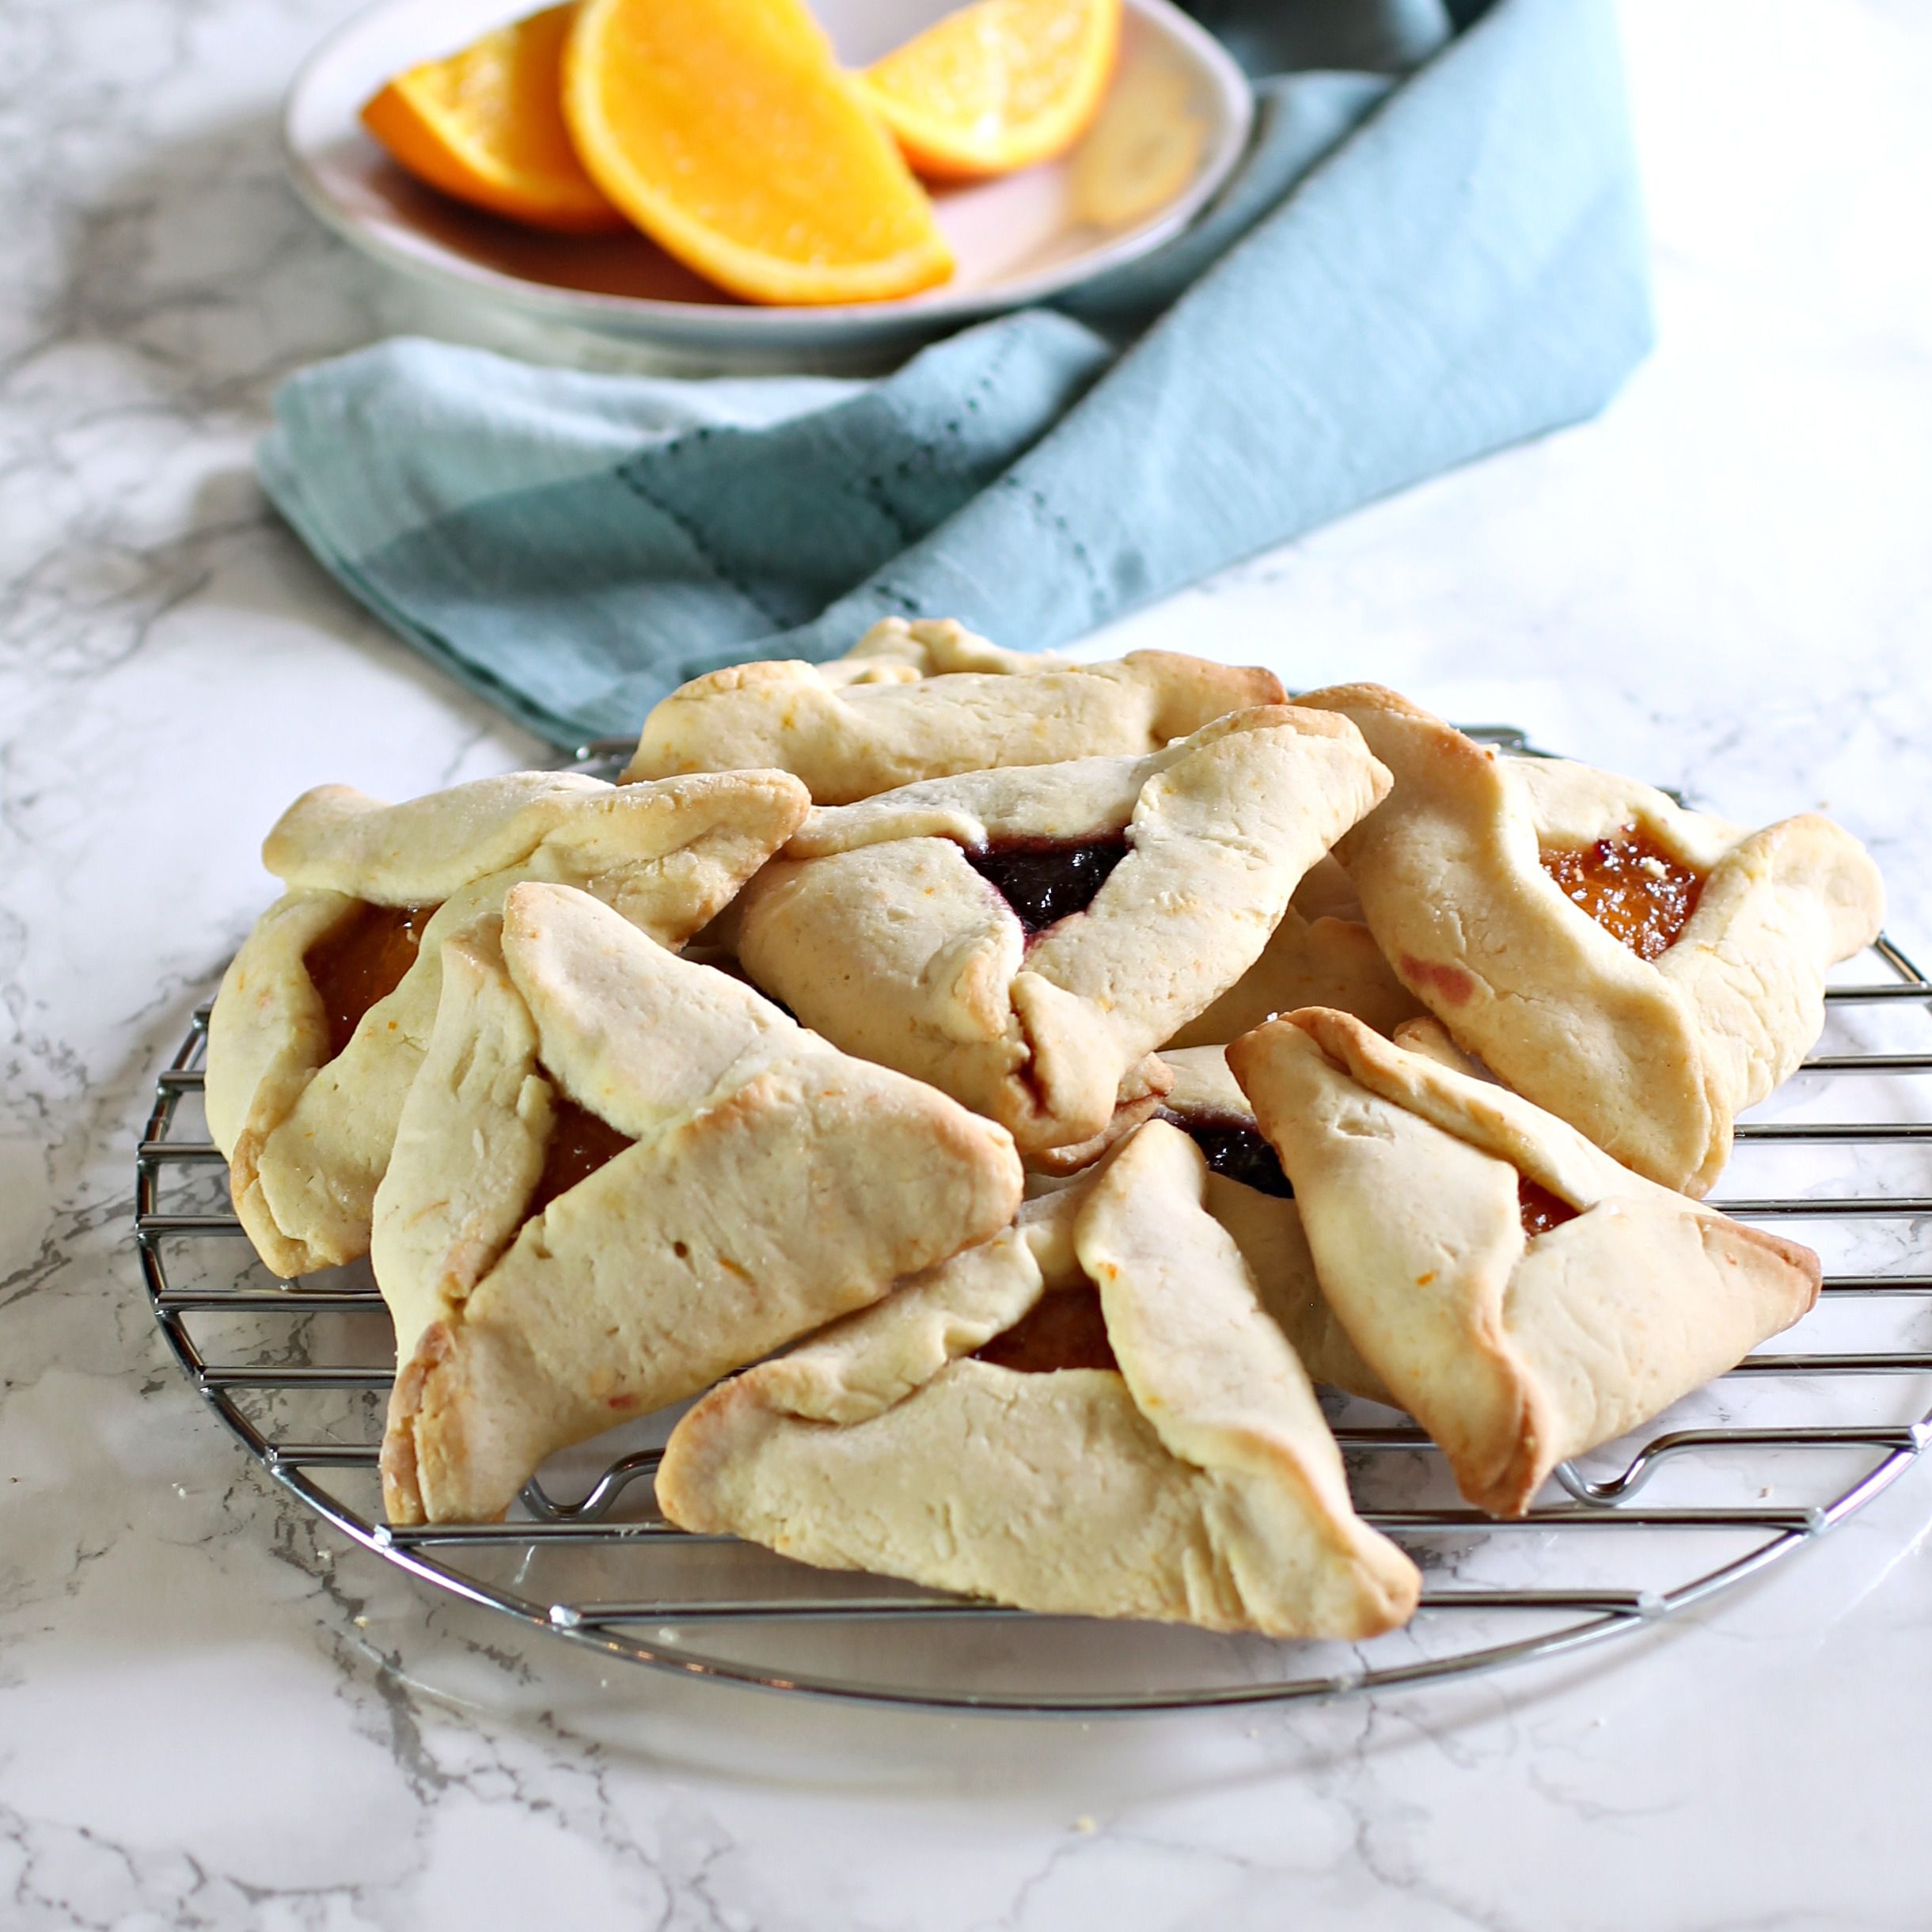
[{"x": 215, "y": 1712}]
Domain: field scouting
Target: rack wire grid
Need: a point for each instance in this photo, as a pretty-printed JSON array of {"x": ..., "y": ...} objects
[{"x": 1746, "y": 1471}]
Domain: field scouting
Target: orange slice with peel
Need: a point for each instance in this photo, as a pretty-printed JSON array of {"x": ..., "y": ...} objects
[
  {"x": 486, "y": 126},
  {"x": 726, "y": 130},
  {"x": 998, "y": 85}
]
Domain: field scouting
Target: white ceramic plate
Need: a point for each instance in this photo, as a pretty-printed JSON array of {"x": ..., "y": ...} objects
[{"x": 1175, "y": 122}]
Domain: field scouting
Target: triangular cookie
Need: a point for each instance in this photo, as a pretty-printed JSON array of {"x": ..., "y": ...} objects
[
  {"x": 1024, "y": 938},
  {"x": 1523, "y": 1296},
  {"x": 928, "y": 700},
  {"x": 1644, "y": 971},
  {"x": 618, "y": 1175},
  {"x": 1089, "y": 1414},
  {"x": 323, "y": 1016}
]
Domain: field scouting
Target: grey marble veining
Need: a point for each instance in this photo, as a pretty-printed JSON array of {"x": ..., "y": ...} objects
[{"x": 214, "y": 1714}]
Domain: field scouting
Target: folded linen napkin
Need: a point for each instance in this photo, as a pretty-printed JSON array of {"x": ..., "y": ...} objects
[{"x": 1434, "y": 248}]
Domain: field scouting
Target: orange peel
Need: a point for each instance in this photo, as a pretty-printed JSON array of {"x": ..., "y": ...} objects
[{"x": 486, "y": 126}]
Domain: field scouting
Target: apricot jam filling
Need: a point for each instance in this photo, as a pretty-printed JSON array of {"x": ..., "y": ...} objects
[
  {"x": 1046, "y": 880},
  {"x": 1542, "y": 1210},
  {"x": 362, "y": 960},
  {"x": 580, "y": 1143},
  {"x": 1631, "y": 886},
  {"x": 1235, "y": 1148},
  {"x": 1065, "y": 1328}
]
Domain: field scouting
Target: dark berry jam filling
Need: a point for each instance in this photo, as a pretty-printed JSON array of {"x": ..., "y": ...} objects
[
  {"x": 1046, "y": 880},
  {"x": 1236, "y": 1148}
]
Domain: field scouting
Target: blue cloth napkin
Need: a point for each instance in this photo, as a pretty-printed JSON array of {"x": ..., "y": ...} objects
[{"x": 1434, "y": 248}]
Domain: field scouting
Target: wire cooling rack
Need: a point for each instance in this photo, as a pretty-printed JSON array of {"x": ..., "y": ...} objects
[{"x": 1740, "y": 1475}]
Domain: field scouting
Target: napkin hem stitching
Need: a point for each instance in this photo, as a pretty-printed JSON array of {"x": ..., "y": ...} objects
[{"x": 712, "y": 561}]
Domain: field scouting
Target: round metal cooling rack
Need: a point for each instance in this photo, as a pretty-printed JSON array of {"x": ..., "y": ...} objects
[{"x": 1793, "y": 1440}]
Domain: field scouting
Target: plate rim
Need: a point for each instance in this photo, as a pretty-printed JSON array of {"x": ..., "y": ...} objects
[{"x": 641, "y": 317}]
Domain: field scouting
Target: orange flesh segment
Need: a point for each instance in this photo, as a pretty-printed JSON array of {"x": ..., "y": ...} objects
[
  {"x": 1631, "y": 886},
  {"x": 998, "y": 85},
  {"x": 725, "y": 130},
  {"x": 486, "y": 126}
]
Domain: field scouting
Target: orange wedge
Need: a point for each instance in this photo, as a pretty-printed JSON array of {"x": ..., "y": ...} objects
[
  {"x": 725, "y": 130},
  {"x": 486, "y": 126},
  {"x": 998, "y": 85}
]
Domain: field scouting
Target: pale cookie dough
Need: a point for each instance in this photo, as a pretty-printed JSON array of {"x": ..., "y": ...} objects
[
  {"x": 1195, "y": 1481},
  {"x": 306, "y": 1130},
  {"x": 879, "y": 925},
  {"x": 1652, "y": 1058},
  {"x": 754, "y": 1184},
  {"x": 897, "y": 650},
  {"x": 927, "y": 700},
  {"x": 1322, "y": 960},
  {"x": 1207, "y": 1104},
  {"x": 1514, "y": 1349}
]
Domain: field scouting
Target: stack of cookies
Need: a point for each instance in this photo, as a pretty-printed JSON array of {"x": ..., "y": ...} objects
[{"x": 1068, "y": 1067}]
